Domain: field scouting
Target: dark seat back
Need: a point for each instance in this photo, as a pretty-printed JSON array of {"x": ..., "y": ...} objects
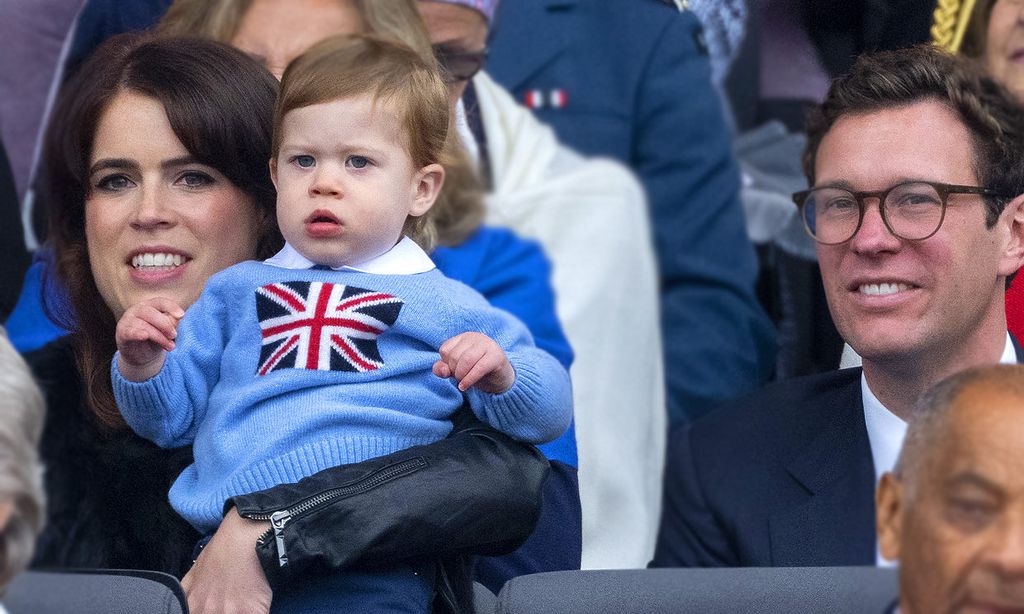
[
  {"x": 95, "y": 592},
  {"x": 805, "y": 590}
]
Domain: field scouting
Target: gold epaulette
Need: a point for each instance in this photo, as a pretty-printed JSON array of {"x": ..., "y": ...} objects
[{"x": 949, "y": 23}]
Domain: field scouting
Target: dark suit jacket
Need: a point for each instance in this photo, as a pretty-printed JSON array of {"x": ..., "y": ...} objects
[
  {"x": 783, "y": 478},
  {"x": 638, "y": 88}
]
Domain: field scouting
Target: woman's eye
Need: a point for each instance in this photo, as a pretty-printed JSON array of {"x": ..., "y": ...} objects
[
  {"x": 304, "y": 161},
  {"x": 114, "y": 183},
  {"x": 358, "y": 161},
  {"x": 196, "y": 180}
]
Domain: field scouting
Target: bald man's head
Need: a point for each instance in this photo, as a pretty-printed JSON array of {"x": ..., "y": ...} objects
[{"x": 953, "y": 511}]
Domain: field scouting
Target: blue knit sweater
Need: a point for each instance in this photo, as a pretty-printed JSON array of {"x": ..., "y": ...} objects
[{"x": 250, "y": 382}]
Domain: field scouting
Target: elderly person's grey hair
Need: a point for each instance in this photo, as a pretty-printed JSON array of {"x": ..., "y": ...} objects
[
  {"x": 21, "y": 485},
  {"x": 929, "y": 421}
]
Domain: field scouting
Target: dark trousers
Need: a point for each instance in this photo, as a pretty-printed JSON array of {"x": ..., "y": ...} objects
[{"x": 402, "y": 588}]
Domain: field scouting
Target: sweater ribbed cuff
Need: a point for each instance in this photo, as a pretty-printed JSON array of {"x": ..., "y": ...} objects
[{"x": 538, "y": 406}]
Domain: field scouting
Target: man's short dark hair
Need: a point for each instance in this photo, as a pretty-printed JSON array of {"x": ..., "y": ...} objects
[{"x": 894, "y": 79}]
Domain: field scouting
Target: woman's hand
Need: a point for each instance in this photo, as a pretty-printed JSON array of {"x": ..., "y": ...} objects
[{"x": 227, "y": 577}]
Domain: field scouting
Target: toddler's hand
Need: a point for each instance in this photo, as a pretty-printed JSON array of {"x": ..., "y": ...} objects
[
  {"x": 474, "y": 359},
  {"x": 143, "y": 334}
]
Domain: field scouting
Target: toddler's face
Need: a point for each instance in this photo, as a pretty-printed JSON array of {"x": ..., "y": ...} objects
[{"x": 345, "y": 181}]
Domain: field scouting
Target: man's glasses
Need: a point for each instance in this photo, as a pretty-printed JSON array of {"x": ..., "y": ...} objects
[
  {"x": 457, "y": 66},
  {"x": 913, "y": 211}
]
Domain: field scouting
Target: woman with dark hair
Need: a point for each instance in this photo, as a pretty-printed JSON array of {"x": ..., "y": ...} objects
[{"x": 157, "y": 156}]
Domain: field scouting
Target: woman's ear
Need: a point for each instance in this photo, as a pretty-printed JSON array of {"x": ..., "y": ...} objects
[{"x": 427, "y": 187}]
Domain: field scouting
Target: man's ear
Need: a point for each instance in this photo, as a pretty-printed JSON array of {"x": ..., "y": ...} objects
[
  {"x": 273, "y": 171},
  {"x": 1013, "y": 220},
  {"x": 427, "y": 187},
  {"x": 889, "y": 515}
]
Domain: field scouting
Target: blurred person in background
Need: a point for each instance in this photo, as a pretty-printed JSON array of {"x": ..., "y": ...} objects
[
  {"x": 952, "y": 510},
  {"x": 631, "y": 79},
  {"x": 590, "y": 216},
  {"x": 34, "y": 34},
  {"x": 21, "y": 474}
]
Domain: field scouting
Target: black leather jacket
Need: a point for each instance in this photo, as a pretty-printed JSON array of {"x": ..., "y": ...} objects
[{"x": 451, "y": 497}]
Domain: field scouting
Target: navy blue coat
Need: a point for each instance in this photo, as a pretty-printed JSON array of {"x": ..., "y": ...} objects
[
  {"x": 636, "y": 83},
  {"x": 782, "y": 478}
]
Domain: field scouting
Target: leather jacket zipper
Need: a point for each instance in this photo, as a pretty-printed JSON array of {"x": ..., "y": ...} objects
[{"x": 279, "y": 519}]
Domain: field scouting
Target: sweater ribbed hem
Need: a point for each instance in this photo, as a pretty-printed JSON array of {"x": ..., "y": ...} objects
[{"x": 200, "y": 500}]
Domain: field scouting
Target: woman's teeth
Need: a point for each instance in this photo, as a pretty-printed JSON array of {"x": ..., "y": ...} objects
[
  {"x": 156, "y": 260},
  {"x": 883, "y": 289}
]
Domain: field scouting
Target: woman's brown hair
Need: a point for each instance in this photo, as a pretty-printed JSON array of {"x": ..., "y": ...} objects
[
  {"x": 976, "y": 36},
  {"x": 219, "y": 103},
  {"x": 459, "y": 209}
]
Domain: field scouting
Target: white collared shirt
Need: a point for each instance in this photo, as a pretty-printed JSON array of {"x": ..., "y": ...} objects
[
  {"x": 405, "y": 258},
  {"x": 886, "y": 430}
]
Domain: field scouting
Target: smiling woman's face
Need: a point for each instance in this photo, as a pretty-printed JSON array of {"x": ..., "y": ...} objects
[
  {"x": 157, "y": 222},
  {"x": 1004, "y": 50}
]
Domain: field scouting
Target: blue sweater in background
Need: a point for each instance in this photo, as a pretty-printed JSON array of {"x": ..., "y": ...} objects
[{"x": 252, "y": 390}]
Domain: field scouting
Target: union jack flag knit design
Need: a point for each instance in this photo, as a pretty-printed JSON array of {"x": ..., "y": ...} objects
[{"x": 322, "y": 326}]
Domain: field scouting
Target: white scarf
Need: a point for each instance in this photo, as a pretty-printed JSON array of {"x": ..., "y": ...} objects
[{"x": 591, "y": 218}]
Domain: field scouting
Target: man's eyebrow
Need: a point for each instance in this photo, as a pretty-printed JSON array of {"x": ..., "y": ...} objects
[
  {"x": 970, "y": 478},
  {"x": 846, "y": 185}
]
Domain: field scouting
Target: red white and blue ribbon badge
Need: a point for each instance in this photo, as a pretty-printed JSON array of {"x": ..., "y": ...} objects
[
  {"x": 534, "y": 99},
  {"x": 322, "y": 326},
  {"x": 558, "y": 98}
]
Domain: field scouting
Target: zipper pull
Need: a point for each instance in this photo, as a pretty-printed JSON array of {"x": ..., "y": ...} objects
[{"x": 277, "y": 521}]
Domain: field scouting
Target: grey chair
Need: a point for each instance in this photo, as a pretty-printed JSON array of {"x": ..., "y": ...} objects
[
  {"x": 784, "y": 590},
  {"x": 95, "y": 592}
]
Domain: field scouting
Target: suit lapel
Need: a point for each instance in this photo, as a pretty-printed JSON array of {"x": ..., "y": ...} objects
[
  {"x": 528, "y": 35},
  {"x": 1017, "y": 349},
  {"x": 836, "y": 469}
]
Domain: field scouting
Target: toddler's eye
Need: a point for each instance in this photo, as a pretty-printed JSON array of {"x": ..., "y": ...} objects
[
  {"x": 358, "y": 162},
  {"x": 305, "y": 161}
]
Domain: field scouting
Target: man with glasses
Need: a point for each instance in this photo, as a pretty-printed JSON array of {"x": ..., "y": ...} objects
[{"x": 917, "y": 171}]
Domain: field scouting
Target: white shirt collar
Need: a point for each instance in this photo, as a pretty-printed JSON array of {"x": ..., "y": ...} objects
[
  {"x": 886, "y": 430},
  {"x": 405, "y": 258}
]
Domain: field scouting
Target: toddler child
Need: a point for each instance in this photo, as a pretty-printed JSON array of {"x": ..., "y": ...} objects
[{"x": 348, "y": 344}]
